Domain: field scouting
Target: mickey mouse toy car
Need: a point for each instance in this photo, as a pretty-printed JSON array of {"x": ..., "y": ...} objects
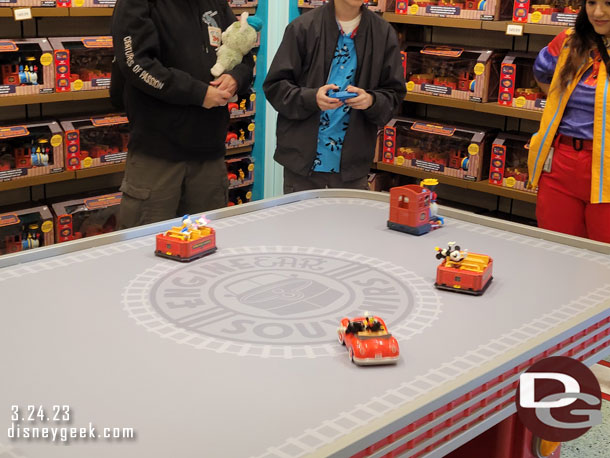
[
  {"x": 463, "y": 272},
  {"x": 368, "y": 341}
]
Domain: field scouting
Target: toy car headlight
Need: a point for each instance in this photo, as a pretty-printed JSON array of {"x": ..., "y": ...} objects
[
  {"x": 362, "y": 350},
  {"x": 393, "y": 348}
]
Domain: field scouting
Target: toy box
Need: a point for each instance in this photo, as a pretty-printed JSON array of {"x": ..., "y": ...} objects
[
  {"x": 86, "y": 217},
  {"x": 25, "y": 229},
  {"x": 489, "y": 10},
  {"x": 459, "y": 152},
  {"x": 373, "y": 5},
  {"x": 508, "y": 164},
  {"x": 452, "y": 71},
  {"x": 243, "y": 107},
  {"x": 240, "y": 171},
  {"x": 242, "y": 3},
  {"x": 30, "y": 149},
  {"x": 86, "y": 3},
  {"x": 30, "y": 3},
  {"x": 93, "y": 142},
  {"x": 549, "y": 12},
  {"x": 82, "y": 63},
  {"x": 27, "y": 66},
  {"x": 238, "y": 196},
  {"x": 518, "y": 87},
  {"x": 240, "y": 133}
]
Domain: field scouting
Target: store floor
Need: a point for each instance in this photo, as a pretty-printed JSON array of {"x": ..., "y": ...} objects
[{"x": 596, "y": 442}]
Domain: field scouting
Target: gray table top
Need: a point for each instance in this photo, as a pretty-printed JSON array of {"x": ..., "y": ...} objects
[{"x": 214, "y": 359}]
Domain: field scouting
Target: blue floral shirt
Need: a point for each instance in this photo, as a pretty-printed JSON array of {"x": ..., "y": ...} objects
[{"x": 333, "y": 123}]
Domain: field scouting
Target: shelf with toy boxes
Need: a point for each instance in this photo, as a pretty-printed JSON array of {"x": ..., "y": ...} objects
[
  {"x": 26, "y": 229},
  {"x": 373, "y": 5},
  {"x": 244, "y": 106},
  {"x": 85, "y": 217},
  {"x": 240, "y": 133},
  {"x": 94, "y": 142},
  {"x": 452, "y": 71},
  {"x": 86, "y": 3},
  {"x": 548, "y": 12},
  {"x": 488, "y": 10},
  {"x": 240, "y": 171},
  {"x": 242, "y": 3},
  {"x": 518, "y": 87},
  {"x": 30, "y": 149},
  {"x": 27, "y": 3},
  {"x": 82, "y": 63},
  {"x": 460, "y": 152},
  {"x": 27, "y": 67},
  {"x": 508, "y": 164}
]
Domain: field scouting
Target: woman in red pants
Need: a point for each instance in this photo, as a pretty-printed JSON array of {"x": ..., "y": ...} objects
[{"x": 569, "y": 156}]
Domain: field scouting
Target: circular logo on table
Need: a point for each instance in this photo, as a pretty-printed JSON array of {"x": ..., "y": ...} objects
[
  {"x": 559, "y": 399},
  {"x": 277, "y": 301}
]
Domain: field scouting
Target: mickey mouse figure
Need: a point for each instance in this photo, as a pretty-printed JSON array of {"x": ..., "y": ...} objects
[{"x": 452, "y": 252}]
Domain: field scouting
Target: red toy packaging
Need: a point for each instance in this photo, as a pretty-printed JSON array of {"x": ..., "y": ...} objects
[
  {"x": 518, "y": 86},
  {"x": 82, "y": 63},
  {"x": 240, "y": 171},
  {"x": 238, "y": 196},
  {"x": 94, "y": 142},
  {"x": 30, "y": 149},
  {"x": 487, "y": 10},
  {"x": 242, "y": 3},
  {"x": 459, "y": 152},
  {"x": 86, "y": 217},
  {"x": 27, "y": 67},
  {"x": 373, "y": 5},
  {"x": 86, "y": 3},
  {"x": 549, "y": 12},
  {"x": 240, "y": 133},
  {"x": 30, "y": 3},
  {"x": 25, "y": 229},
  {"x": 245, "y": 106},
  {"x": 452, "y": 71},
  {"x": 508, "y": 164}
]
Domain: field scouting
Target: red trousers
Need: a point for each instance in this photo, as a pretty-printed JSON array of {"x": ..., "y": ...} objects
[{"x": 564, "y": 197}]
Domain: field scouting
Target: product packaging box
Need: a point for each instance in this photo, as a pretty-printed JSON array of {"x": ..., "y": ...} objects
[
  {"x": 30, "y": 149},
  {"x": 460, "y": 152},
  {"x": 373, "y": 5},
  {"x": 518, "y": 87},
  {"x": 82, "y": 63},
  {"x": 240, "y": 133},
  {"x": 25, "y": 229},
  {"x": 79, "y": 218},
  {"x": 96, "y": 141},
  {"x": 26, "y": 65},
  {"x": 508, "y": 164},
  {"x": 30, "y": 3},
  {"x": 240, "y": 171},
  {"x": 548, "y": 12},
  {"x": 243, "y": 107},
  {"x": 490, "y": 10}
]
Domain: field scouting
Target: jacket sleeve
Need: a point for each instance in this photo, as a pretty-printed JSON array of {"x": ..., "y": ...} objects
[
  {"x": 137, "y": 49},
  {"x": 391, "y": 90},
  {"x": 243, "y": 72},
  {"x": 281, "y": 88}
]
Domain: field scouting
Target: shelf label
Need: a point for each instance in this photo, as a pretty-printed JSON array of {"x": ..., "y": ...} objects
[
  {"x": 514, "y": 30},
  {"x": 21, "y": 14}
]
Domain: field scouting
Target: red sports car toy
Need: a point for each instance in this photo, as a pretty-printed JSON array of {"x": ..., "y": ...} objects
[{"x": 368, "y": 341}]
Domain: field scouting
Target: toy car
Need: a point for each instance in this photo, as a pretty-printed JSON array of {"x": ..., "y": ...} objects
[
  {"x": 413, "y": 208},
  {"x": 463, "y": 272},
  {"x": 190, "y": 241},
  {"x": 368, "y": 341}
]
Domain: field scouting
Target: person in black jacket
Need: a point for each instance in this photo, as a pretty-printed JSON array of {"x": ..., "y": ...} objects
[
  {"x": 177, "y": 112},
  {"x": 323, "y": 141}
]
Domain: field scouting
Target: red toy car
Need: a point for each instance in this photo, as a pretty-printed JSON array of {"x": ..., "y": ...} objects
[
  {"x": 190, "y": 241},
  {"x": 368, "y": 341},
  {"x": 463, "y": 272}
]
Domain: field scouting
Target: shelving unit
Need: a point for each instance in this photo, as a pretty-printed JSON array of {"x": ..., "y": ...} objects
[{"x": 53, "y": 97}]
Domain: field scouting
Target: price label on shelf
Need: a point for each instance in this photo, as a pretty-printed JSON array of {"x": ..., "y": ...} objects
[
  {"x": 21, "y": 14},
  {"x": 514, "y": 30}
]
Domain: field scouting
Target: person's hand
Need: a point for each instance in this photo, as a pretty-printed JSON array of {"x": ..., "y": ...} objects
[
  {"x": 216, "y": 97},
  {"x": 325, "y": 102},
  {"x": 362, "y": 101},
  {"x": 225, "y": 82}
]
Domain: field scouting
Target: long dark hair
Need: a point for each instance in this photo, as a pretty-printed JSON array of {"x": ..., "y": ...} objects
[{"x": 580, "y": 43}]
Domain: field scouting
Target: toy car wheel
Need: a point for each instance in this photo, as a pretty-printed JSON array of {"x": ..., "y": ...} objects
[
  {"x": 340, "y": 337},
  {"x": 351, "y": 355}
]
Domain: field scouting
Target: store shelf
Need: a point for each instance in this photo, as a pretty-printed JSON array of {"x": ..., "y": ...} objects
[
  {"x": 433, "y": 21},
  {"x": 490, "y": 107},
  {"x": 235, "y": 151},
  {"x": 481, "y": 186},
  {"x": 89, "y": 12},
  {"x": 35, "y": 181},
  {"x": 53, "y": 97},
  {"x": 37, "y": 12},
  {"x": 102, "y": 170}
]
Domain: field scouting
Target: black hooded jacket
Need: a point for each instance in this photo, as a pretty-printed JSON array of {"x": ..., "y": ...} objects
[
  {"x": 301, "y": 66},
  {"x": 163, "y": 50}
]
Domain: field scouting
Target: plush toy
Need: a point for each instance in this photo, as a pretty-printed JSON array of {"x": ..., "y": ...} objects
[{"x": 237, "y": 41}]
